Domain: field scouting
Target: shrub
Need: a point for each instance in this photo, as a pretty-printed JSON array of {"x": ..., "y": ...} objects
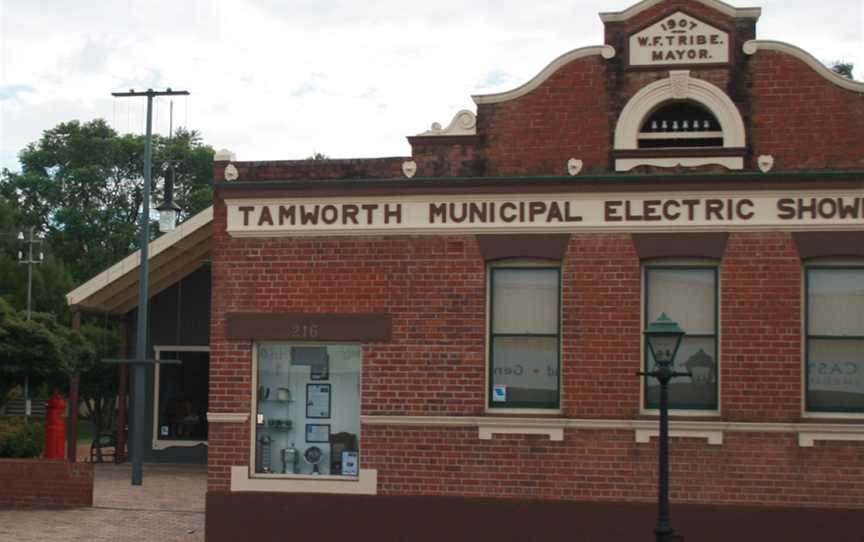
[{"x": 19, "y": 439}]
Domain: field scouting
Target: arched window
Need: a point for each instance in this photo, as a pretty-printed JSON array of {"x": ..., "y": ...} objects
[{"x": 679, "y": 121}]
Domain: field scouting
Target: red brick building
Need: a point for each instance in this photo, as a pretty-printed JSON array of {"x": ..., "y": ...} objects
[{"x": 444, "y": 346}]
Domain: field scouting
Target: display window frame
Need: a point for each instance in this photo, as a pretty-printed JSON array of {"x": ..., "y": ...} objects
[
  {"x": 253, "y": 421},
  {"x": 682, "y": 408},
  {"x": 522, "y": 407},
  {"x": 156, "y": 442},
  {"x": 808, "y": 408}
]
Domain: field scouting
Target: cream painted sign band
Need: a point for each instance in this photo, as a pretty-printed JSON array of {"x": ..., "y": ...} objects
[
  {"x": 546, "y": 213},
  {"x": 679, "y": 39}
]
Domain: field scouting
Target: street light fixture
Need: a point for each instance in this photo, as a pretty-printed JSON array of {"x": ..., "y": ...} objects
[
  {"x": 168, "y": 210},
  {"x": 664, "y": 337}
]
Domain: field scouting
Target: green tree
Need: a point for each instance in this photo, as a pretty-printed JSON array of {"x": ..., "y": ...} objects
[
  {"x": 34, "y": 348},
  {"x": 843, "y": 68},
  {"x": 82, "y": 184}
]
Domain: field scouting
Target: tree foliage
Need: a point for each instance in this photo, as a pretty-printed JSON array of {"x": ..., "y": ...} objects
[
  {"x": 843, "y": 68},
  {"x": 41, "y": 348},
  {"x": 82, "y": 184}
]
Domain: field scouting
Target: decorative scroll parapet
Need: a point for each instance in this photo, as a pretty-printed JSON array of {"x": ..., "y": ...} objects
[
  {"x": 463, "y": 123},
  {"x": 605, "y": 51},
  {"x": 752, "y": 46}
]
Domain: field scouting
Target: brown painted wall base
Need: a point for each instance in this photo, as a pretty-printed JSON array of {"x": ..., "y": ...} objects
[{"x": 276, "y": 516}]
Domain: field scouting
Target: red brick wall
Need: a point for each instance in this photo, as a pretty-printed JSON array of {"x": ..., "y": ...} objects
[
  {"x": 760, "y": 318},
  {"x": 434, "y": 286},
  {"x": 42, "y": 483},
  {"x": 568, "y": 116},
  {"x": 803, "y": 120},
  {"x": 601, "y": 302},
  {"x": 604, "y": 465}
]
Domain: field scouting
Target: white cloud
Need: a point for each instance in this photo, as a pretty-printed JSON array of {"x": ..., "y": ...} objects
[{"x": 276, "y": 79}]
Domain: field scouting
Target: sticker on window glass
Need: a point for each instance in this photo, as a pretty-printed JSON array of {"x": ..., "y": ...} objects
[
  {"x": 499, "y": 393},
  {"x": 163, "y": 431},
  {"x": 349, "y": 463}
]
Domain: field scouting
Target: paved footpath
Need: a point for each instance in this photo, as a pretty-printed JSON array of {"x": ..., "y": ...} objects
[{"x": 168, "y": 507}]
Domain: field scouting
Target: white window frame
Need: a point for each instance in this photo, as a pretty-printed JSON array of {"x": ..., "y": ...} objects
[
  {"x": 162, "y": 444},
  {"x": 680, "y": 263},
  {"x": 366, "y": 479},
  {"x": 821, "y": 263},
  {"x": 522, "y": 263}
]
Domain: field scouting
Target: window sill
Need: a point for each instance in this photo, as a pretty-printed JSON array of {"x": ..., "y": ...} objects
[
  {"x": 227, "y": 417},
  {"x": 681, "y": 413},
  {"x": 714, "y": 437},
  {"x": 161, "y": 444},
  {"x": 554, "y": 429},
  {"x": 807, "y": 439},
  {"x": 365, "y": 484}
]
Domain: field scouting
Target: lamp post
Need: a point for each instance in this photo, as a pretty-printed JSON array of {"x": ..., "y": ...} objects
[
  {"x": 140, "y": 361},
  {"x": 29, "y": 261},
  {"x": 664, "y": 337}
]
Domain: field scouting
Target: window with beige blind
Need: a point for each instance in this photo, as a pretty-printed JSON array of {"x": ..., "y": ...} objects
[
  {"x": 688, "y": 295},
  {"x": 524, "y": 341},
  {"x": 835, "y": 339}
]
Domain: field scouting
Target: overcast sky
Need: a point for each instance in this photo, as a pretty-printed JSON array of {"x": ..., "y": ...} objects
[{"x": 281, "y": 79}]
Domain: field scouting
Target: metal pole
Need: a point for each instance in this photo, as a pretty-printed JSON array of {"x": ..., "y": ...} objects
[
  {"x": 27, "y": 406},
  {"x": 30, "y": 274},
  {"x": 138, "y": 372},
  {"x": 136, "y": 438},
  {"x": 664, "y": 528}
]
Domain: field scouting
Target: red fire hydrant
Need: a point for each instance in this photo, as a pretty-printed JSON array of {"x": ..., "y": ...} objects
[{"x": 55, "y": 430}]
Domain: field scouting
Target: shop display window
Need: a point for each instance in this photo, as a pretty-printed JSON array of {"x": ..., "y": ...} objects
[
  {"x": 524, "y": 337},
  {"x": 307, "y": 419},
  {"x": 688, "y": 295},
  {"x": 835, "y": 339}
]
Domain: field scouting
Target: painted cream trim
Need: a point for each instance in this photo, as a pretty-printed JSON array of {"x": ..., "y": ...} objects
[
  {"x": 224, "y": 155},
  {"x": 606, "y": 51},
  {"x": 714, "y": 438},
  {"x": 711, "y": 430},
  {"x": 752, "y": 46},
  {"x": 722, "y": 7},
  {"x": 365, "y": 484},
  {"x": 679, "y": 86},
  {"x": 552, "y": 427},
  {"x": 227, "y": 417},
  {"x": 729, "y": 162},
  {"x": 555, "y": 434},
  {"x": 807, "y": 439},
  {"x": 130, "y": 263}
]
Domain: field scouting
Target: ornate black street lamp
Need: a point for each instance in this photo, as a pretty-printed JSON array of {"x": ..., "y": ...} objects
[{"x": 664, "y": 337}]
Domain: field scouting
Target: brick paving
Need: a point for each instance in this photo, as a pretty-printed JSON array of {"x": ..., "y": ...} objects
[{"x": 168, "y": 507}]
